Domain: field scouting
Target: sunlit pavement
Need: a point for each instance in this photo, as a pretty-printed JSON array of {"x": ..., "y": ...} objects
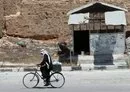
[{"x": 94, "y": 81}]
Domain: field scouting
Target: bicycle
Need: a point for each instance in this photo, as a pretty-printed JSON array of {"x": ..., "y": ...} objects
[{"x": 31, "y": 79}]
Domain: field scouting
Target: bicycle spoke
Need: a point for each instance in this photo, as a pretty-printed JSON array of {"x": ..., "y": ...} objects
[
  {"x": 57, "y": 80},
  {"x": 30, "y": 80}
]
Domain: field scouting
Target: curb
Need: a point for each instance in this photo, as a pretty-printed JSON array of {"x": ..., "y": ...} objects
[
  {"x": 26, "y": 69},
  {"x": 64, "y": 68}
]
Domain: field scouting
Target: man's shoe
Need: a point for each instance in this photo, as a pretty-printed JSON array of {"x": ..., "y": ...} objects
[{"x": 47, "y": 84}]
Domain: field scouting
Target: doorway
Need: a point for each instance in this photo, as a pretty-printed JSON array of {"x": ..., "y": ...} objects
[{"x": 81, "y": 42}]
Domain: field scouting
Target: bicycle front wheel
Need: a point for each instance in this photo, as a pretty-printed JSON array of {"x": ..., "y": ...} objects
[
  {"x": 57, "y": 80},
  {"x": 30, "y": 80}
]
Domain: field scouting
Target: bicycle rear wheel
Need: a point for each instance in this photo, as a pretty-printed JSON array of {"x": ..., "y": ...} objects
[
  {"x": 30, "y": 80},
  {"x": 57, "y": 80}
]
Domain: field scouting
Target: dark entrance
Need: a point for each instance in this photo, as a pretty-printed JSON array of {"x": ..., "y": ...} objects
[{"x": 81, "y": 42}]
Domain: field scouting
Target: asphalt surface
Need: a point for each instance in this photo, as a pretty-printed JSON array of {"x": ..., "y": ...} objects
[{"x": 85, "y": 81}]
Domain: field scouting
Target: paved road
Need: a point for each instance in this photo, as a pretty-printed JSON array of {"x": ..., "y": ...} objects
[{"x": 85, "y": 81}]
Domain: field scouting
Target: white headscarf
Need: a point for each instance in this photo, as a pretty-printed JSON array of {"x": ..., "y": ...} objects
[{"x": 43, "y": 52}]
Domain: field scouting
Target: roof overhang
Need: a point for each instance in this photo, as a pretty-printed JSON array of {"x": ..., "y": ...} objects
[{"x": 96, "y": 6}]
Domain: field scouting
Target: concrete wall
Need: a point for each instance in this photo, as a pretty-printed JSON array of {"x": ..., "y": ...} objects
[{"x": 107, "y": 43}]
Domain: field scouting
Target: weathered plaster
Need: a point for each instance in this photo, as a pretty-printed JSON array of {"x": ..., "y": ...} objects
[{"x": 107, "y": 43}]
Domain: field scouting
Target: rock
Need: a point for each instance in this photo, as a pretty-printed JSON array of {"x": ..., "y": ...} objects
[{"x": 40, "y": 19}]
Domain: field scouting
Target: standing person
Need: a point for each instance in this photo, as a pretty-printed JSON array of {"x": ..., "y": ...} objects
[
  {"x": 64, "y": 52},
  {"x": 45, "y": 66}
]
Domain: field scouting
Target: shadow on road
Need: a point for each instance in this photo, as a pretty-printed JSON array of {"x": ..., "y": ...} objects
[{"x": 44, "y": 87}]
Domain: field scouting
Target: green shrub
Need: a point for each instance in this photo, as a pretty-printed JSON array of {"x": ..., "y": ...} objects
[{"x": 21, "y": 43}]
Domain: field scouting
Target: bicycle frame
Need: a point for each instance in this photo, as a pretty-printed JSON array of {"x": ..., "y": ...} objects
[{"x": 36, "y": 72}]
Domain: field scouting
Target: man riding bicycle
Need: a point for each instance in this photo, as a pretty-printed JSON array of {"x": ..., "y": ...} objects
[{"x": 45, "y": 66}]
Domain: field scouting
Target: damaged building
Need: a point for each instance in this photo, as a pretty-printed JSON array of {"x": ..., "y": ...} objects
[{"x": 98, "y": 31}]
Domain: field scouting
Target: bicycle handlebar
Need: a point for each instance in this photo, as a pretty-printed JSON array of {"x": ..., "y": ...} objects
[{"x": 36, "y": 68}]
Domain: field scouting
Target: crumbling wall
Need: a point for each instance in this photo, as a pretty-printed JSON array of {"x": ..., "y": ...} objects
[
  {"x": 37, "y": 19},
  {"x": 1, "y": 18},
  {"x": 42, "y": 19}
]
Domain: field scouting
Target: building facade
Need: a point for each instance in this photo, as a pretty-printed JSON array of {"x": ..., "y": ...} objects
[{"x": 99, "y": 30}]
